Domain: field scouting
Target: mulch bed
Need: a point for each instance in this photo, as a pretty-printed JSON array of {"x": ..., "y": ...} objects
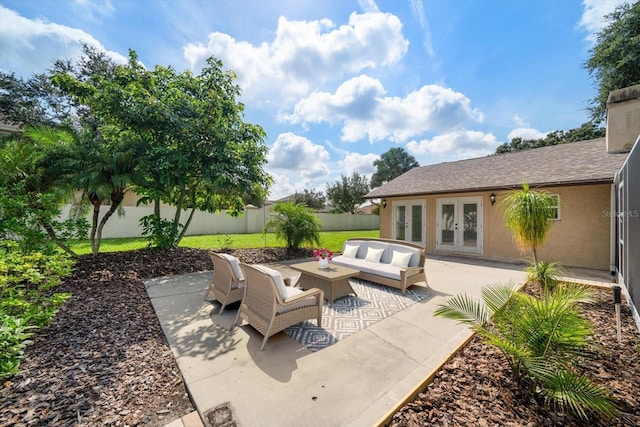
[
  {"x": 475, "y": 387},
  {"x": 104, "y": 359}
]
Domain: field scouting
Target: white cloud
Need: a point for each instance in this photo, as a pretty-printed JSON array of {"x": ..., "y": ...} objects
[
  {"x": 296, "y": 153},
  {"x": 30, "y": 45},
  {"x": 526, "y": 133},
  {"x": 102, "y": 7},
  {"x": 360, "y": 105},
  {"x": 360, "y": 163},
  {"x": 417, "y": 10},
  {"x": 519, "y": 121},
  {"x": 594, "y": 11},
  {"x": 305, "y": 54},
  {"x": 460, "y": 144}
]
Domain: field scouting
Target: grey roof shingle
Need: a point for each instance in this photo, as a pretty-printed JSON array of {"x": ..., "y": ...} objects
[{"x": 564, "y": 164}]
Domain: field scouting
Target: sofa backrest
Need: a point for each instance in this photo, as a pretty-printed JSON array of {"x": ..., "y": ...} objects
[{"x": 389, "y": 246}]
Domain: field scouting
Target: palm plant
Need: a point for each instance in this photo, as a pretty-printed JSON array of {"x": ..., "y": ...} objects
[
  {"x": 34, "y": 170},
  {"x": 546, "y": 274},
  {"x": 527, "y": 214},
  {"x": 539, "y": 337},
  {"x": 295, "y": 224}
]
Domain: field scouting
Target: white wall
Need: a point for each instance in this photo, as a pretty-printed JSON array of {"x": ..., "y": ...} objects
[{"x": 252, "y": 221}]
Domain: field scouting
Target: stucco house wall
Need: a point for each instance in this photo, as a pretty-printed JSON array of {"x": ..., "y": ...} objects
[{"x": 581, "y": 237}]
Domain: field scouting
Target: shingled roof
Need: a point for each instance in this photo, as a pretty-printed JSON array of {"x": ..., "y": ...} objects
[{"x": 583, "y": 162}]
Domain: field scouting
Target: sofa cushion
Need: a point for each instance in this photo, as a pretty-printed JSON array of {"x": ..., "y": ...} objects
[
  {"x": 401, "y": 259},
  {"x": 374, "y": 255},
  {"x": 350, "y": 251},
  {"x": 277, "y": 279}
]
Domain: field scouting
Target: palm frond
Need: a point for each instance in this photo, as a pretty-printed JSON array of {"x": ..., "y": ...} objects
[
  {"x": 577, "y": 394},
  {"x": 464, "y": 309},
  {"x": 496, "y": 295}
]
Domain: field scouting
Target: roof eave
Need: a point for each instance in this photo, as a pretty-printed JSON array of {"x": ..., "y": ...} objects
[{"x": 590, "y": 181}]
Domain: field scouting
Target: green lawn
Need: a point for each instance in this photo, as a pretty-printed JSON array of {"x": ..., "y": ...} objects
[{"x": 333, "y": 240}]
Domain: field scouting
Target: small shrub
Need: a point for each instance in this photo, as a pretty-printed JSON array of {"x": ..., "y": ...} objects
[
  {"x": 26, "y": 300},
  {"x": 295, "y": 224}
]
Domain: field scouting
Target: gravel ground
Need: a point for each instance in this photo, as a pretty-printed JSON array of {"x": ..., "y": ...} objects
[{"x": 104, "y": 359}]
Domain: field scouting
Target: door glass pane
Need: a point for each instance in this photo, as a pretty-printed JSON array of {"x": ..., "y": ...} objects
[
  {"x": 401, "y": 217},
  {"x": 470, "y": 236},
  {"x": 416, "y": 223},
  {"x": 448, "y": 224}
]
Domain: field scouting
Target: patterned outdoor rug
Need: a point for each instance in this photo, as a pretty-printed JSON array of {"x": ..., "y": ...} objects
[{"x": 351, "y": 314}]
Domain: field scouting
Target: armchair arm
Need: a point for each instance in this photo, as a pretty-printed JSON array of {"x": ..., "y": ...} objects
[{"x": 306, "y": 294}]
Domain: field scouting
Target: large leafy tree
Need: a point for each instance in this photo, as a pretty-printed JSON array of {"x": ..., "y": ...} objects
[
  {"x": 348, "y": 192},
  {"x": 190, "y": 142},
  {"x": 391, "y": 165},
  {"x": 311, "y": 198},
  {"x": 31, "y": 102},
  {"x": 615, "y": 58},
  {"x": 584, "y": 132}
]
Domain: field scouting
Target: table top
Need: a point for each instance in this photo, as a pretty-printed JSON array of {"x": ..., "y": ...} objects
[{"x": 333, "y": 272}]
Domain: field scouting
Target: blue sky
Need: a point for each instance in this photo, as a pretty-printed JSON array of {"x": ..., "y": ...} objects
[{"x": 336, "y": 83}]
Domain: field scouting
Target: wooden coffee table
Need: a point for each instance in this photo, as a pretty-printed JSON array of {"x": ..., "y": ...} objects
[{"x": 333, "y": 281}]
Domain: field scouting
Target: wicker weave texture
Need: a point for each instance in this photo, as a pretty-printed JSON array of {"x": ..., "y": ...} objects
[
  {"x": 264, "y": 310},
  {"x": 225, "y": 287}
]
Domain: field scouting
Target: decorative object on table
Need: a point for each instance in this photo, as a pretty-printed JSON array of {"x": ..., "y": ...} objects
[{"x": 323, "y": 256}]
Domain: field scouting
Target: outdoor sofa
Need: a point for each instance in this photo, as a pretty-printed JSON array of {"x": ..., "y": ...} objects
[{"x": 389, "y": 262}]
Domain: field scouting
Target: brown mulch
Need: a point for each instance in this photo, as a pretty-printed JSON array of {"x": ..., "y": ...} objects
[
  {"x": 104, "y": 359},
  {"x": 475, "y": 387}
]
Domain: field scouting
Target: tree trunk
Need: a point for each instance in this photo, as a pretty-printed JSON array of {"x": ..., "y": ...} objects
[{"x": 116, "y": 199}]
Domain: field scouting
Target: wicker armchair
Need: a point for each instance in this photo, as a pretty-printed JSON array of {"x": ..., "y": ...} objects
[
  {"x": 228, "y": 284},
  {"x": 264, "y": 308}
]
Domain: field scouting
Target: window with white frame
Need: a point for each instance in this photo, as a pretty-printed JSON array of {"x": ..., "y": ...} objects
[{"x": 555, "y": 209}]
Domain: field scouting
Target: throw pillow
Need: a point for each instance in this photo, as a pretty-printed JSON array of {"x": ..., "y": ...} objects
[
  {"x": 235, "y": 265},
  {"x": 277, "y": 279},
  {"x": 401, "y": 259},
  {"x": 350, "y": 251},
  {"x": 373, "y": 255}
]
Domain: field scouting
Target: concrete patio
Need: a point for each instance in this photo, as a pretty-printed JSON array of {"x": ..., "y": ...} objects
[{"x": 355, "y": 382}]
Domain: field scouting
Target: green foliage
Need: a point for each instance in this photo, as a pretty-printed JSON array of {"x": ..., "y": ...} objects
[
  {"x": 160, "y": 233},
  {"x": 26, "y": 300},
  {"x": 545, "y": 274},
  {"x": 540, "y": 339},
  {"x": 295, "y": 224},
  {"x": 192, "y": 148},
  {"x": 33, "y": 188},
  {"x": 347, "y": 194},
  {"x": 314, "y": 200},
  {"x": 391, "y": 165},
  {"x": 615, "y": 60},
  {"x": 527, "y": 213},
  {"x": 585, "y": 132}
]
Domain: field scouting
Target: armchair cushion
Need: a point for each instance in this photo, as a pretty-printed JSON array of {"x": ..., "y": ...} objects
[
  {"x": 235, "y": 265},
  {"x": 277, "y": 279}
]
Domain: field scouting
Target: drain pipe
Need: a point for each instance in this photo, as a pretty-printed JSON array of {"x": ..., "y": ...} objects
[{"x": 613, "y": 219}]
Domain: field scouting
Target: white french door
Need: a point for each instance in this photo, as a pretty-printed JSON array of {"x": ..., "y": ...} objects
[
  {"x": 409, "y": 221},
  {"x": 459, "y": 224}
]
